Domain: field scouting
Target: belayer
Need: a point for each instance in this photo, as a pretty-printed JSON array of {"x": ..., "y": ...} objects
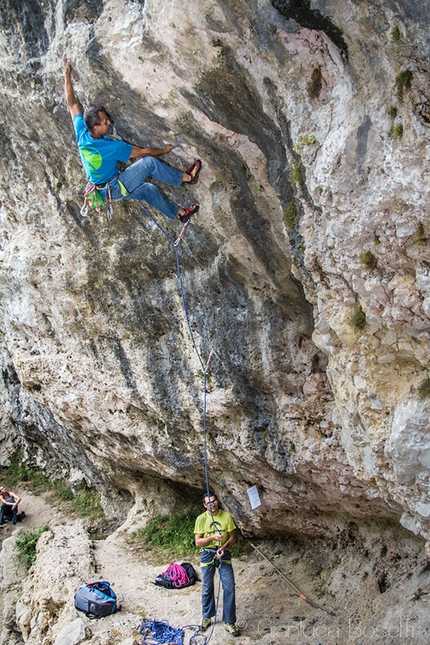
[{"x": 100, "y": 155}]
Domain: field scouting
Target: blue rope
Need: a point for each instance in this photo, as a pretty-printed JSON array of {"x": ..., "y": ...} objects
[
  {"x": 159, "y": 632},
  {"x": 197, "y": 638}
]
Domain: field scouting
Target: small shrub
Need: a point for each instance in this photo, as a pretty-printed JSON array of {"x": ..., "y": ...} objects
[
  {"x": 392, "y": 112},
  {"x": 87, "y": 504},
  {"x": 296, "y": 173},
  {"x": 396, "y": 34},
  {"x": 290, "y": 215},
  {"x": 424, "y": 389},
  {"x": 420, "y": 236},
  {"x": 403, "y": 82},
  {"x": 25, "y": 545},
  {"x": 17, "y": 472},
  {"x": 397, "y": 131},
  {"x": 358, "y": 318},
  {"x": 172, "y": 536},
  {"x": 170, "y": 533},
  {"x": 368, "y": 259}
]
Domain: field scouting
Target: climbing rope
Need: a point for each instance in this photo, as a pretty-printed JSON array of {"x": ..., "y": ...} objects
[
  {"x": 159, "y": 632},
  {"x": 297, "y": 591},
  {"x": 197, "y": 638}
]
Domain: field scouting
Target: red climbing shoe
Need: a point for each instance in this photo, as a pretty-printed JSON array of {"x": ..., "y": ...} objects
[
  {"x": 193, "y": 171},
  {"x": 189, "y": 212}
]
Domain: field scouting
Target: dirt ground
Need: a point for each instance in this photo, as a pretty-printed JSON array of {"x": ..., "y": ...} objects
[{"x": 372, "y": 586}]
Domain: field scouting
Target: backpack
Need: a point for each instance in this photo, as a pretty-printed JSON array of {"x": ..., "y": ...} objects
[
  {"x": 191, "y": 572},
  {"x": 177, "y": 576},
  {"x": 96, "y": 599}
]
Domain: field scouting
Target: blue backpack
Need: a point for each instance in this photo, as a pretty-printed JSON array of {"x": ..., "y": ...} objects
[{"x": 96, "y": 599}]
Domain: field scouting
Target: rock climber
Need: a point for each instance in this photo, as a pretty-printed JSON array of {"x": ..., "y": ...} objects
[
  {"x": 214, "y": 531},
  {"x": 100, "y": 155},
  {"x": 9, "y": 505}
]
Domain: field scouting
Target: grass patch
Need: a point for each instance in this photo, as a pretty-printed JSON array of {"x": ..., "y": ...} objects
[
  {"x": 290, "y": 215},
  {"x": 392, "y": 112},
  {"x": 85, "y": 503},
  {"x": 403, "y": 82},
  {"x": 358, "y": 319},
  {"x": 25, "y": 545},
  {"x": 396, "y": 34},
  {"x": 296, "y": 173},
  {"x": 17, "y": 473},
  {"x": 368, "y": 260},
  {"x": 172, "y": 537},
  {"x": 424, "y": 389},
  {"x": 396, "y": 131},
  {"x": 420, "y": 235},
  {"x": 168, "y": 535}
]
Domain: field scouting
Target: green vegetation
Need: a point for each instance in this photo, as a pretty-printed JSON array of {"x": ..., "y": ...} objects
[
  {"x": 296, "y": 173},
  {"x": 392, "y": 111},
  {"x": 396, "y": 34},
  {"x": 358, "y": 319},
  {"x": 403, "y": 82},
  {"x": 420, "y": 235},
  {"x": 172, "y": 536},
  {"x": 368, "y": 260},
  {"x": 397, "y": 131},
  {"x": 308, "y": 140},
  {"x": 84, "y": 503},
  {"x": 419, "y": 594},
  {"x": 25, "y": 545},
  {"x": 290, "y": 215},
  {"x": 424, "y": 389}
]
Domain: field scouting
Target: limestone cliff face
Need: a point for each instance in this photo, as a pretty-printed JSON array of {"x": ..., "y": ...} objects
[{"x": 312, "y": 121}]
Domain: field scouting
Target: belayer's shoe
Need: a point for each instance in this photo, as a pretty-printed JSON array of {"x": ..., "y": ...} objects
[
  {"x": 206, "y": 622},
  {"x": 189, "y": 212},
  {"x": 231, "y": 629},
  {"x": 193, "y": 172}
]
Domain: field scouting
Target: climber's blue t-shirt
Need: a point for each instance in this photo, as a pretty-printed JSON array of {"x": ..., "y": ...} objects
[{"x": 99, "y": 156}]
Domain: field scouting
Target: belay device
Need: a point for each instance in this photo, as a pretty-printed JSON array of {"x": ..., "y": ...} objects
[{"x": 96, "y": 599}]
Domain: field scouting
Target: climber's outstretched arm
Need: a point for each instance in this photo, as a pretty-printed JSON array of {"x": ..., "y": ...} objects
[
  {"x": 72, "y": 102},
  {"x": 137, "y": 153}
]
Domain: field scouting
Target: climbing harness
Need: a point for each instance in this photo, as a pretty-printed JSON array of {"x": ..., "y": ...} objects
[
  {"x": 297, "y": 592},
  {"x": 94, "y": 199}
]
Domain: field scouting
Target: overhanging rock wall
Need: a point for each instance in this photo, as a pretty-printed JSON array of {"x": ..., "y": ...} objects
[{"x": 312, "y": 121}]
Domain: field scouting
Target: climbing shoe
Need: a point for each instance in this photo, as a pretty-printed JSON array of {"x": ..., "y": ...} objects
[
  {"x": 231, "y": 629},
  {"x": 193, "y": 172},
  {"x": 189, "y": 212},
  {"x": 206, "y": 622}
]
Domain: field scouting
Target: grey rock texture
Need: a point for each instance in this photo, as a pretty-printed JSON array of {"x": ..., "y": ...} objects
[{"x": 312, "y": 121}]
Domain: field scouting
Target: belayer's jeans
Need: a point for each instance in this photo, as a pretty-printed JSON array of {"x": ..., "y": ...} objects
[
  {"x": 208, "y": 564},
  {"x": 134, "y": 179}
]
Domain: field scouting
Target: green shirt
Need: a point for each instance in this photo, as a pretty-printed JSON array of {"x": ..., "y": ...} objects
[{"x": 222, "y": 523}]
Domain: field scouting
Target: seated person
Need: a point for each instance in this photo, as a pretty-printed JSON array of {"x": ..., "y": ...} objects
[{"x": 9, "y": 505}]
